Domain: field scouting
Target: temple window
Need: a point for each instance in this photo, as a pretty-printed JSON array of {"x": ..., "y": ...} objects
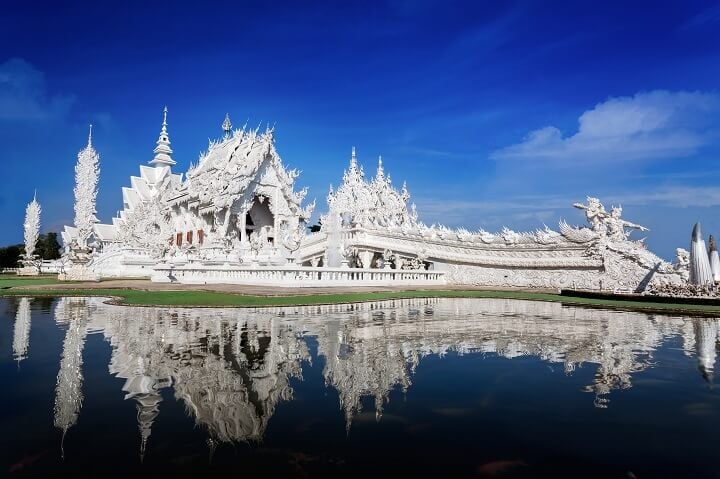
[
  {"x": 189, "y": 237},
  {"x": 201, "y": 236},
  {"x": 178, "y": 239}
]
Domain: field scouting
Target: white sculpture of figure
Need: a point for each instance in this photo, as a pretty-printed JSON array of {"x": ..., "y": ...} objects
[
  {"x": 714, "y": 260},
  {"x": 258, "y": 241},
  {"x": 387, "y": 258},
  {"x": 682, "y": 262},
  {"x": 607, "y": 224},
  {"x": 700, "y": 272},
  {"x": 346, "y": 254},
  {"x": 87, "y": 173},
  {"x": 421, "y": 258},
  {"x": 292, "y": 239},
  {"x": 616, "y": 225},
  {"x": 415, "y": 263},
  {"x": 31, "y": 232},
  {"x": 594, "y": 213}
]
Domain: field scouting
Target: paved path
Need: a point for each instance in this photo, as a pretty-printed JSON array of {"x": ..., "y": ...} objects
[{"x": 254, "y": 290}]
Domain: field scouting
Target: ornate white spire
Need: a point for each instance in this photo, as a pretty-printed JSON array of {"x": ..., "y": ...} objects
[
  {"x": 31, "y": 226},
  {"x": 380, "y": 170},
  {"x": 227, "y": 125},
  {"x": 162, "y": 150},
  {"x": 87, "y": 174},
  {"x": 353, "y": 159}
]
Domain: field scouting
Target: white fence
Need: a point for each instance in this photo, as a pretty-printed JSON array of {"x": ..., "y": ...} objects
[{"x": 295, "y": 276}]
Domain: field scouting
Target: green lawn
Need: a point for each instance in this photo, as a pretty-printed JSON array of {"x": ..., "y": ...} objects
[
  {"x": 209, "y": 298},
  {"x": 10, "y": 280}
]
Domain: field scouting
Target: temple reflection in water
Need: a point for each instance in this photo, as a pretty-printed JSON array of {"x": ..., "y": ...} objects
[{"x": 231, "y": 368}]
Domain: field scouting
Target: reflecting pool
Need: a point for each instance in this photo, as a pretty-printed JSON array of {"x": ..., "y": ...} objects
[{"x": 436, "y": 387}]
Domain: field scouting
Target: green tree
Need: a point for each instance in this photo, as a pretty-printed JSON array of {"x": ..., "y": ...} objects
[
  {"x": 10, "y": 256},
  {"x": 47, "y": 246}
]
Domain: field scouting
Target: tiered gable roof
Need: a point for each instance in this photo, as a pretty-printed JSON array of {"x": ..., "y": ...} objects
[
  {"x": 371, "y": 203},
  {"x": 231, "y": 164}
]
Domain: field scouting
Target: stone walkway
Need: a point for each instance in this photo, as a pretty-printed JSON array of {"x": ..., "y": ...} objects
[{"x": 148, "y": 285}]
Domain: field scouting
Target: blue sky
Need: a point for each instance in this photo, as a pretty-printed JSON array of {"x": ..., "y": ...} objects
[{"x": 496, "y": 113}]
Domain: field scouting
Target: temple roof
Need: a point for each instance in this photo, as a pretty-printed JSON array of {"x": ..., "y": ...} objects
[
  {"x": 225, "y": 171},
  {"x": 371, "y": 203}
]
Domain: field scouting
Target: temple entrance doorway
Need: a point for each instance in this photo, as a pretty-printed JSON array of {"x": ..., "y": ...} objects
[{"x": 260, "y": 217}]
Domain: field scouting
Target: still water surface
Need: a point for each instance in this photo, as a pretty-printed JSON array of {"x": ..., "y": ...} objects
[{"x": 441, "y": 388}]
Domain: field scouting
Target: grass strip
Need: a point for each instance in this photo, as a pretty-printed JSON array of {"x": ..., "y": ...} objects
[
  {"x": 220, "y": 299},
  {"x": 14, "y": 281}
]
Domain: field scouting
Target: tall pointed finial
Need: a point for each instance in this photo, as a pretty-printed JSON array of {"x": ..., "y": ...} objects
[
  {"x": 226, "y": 125},
  {"x": 696, "y": 232},
  {"x": 162, "y": 150},
  {"x": 380, "y": 171},
  {"x": 90, "y": 137},
  {"x": 700, "y": 268},
  {"x": 353, "y": 158}
]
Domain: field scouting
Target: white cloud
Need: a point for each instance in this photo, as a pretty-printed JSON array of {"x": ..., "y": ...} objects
[
  {"x": 674, "y": 196},
  {"x": 24, "y": 96},
  {"x": 653, "y": 125},
  {"x": 532, "y": 211}
]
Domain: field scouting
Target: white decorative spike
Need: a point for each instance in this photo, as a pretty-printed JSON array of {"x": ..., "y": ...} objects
[
  {"x": 31, "y": 227},
  {"x": 714, "y": 260},
  {"x": 227, "y": 125},
  {"x": 700, "y": 272},
  {"x": 87, "y": 174},
  {"x": 162, "y": 150}
]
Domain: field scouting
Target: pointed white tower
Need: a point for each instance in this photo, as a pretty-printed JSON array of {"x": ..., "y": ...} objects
[
  {"x": 162, "y": 150},
  {"x": 31, "y": 226},
  {"x": 87, "y": 174},
  {"x": 700, "y": 272},
  {"x": 714, "y": 260},
  {"x": 380, "y": 170}
]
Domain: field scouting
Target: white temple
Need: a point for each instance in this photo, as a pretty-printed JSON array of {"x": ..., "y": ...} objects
[{"x": 236, "y": 217}]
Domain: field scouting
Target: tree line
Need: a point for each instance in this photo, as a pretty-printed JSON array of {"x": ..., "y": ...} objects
[{"x": 47, "y": 247}]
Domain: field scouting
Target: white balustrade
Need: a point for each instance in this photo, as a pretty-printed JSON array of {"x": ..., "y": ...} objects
[{"x": 294, "y": 276}]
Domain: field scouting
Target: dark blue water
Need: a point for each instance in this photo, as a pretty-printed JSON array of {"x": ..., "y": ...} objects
[{"x": 441, "y": 388}]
